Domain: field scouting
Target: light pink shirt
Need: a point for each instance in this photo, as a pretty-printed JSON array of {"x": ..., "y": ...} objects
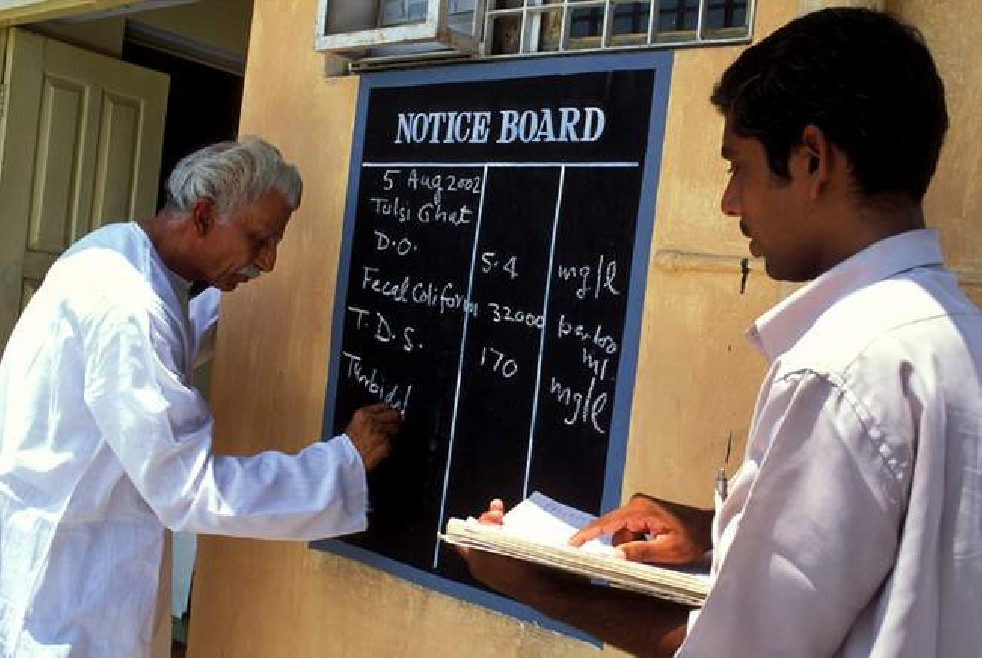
[{"x": 854, "y": 526}]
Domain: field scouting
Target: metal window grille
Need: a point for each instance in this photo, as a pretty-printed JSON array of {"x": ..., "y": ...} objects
[
  {"x": 525, "y": 27},
  {"x": 379, "y": 33}
]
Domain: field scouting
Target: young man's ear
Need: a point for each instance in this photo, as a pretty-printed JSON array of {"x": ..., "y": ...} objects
[
  {"x": 204, "y": 215},
  {"x": 814, "y": 157}
]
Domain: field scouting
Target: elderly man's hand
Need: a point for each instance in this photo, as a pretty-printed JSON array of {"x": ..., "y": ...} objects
[
  {"x": 371, "y": 429},
  {"x": 655, "y": 531}
]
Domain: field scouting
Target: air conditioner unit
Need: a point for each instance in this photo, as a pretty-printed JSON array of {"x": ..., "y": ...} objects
[{"x": 382, "y": 29}]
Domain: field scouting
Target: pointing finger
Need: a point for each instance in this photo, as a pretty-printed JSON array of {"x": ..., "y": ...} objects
[{"x": 586, "y": 533}]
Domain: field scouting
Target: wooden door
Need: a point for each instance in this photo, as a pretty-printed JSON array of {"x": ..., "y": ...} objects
[{"x": 80, "y": 141}]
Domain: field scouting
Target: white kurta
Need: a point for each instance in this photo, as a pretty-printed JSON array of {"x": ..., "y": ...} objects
[
  {"x": 104, "y": 443},
  {"x": 854, "y": 527}
]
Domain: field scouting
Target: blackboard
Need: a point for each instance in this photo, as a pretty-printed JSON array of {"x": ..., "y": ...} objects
[{"x": 491, "y": 286}]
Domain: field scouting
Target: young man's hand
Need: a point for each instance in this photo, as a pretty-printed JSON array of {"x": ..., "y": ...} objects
[
  {"x": 371, "y": 430},
  {"x": 516, "y": 578},
  {"x": 655, "y": 531},
  {"x": 495, "y": 515},
  {"x": 641, "y": 625}
]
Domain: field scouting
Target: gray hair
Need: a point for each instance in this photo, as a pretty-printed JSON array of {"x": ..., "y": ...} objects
[{"x": 233, "y": 175}]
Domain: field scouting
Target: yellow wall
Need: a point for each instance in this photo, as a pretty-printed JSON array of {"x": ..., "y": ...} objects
[
  {"x": 696, "y": 379},
  {"x": 954, "y": 202}
]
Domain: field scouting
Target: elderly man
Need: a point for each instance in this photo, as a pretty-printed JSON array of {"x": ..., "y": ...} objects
[
  {"x": 853, "y": 526},
  {"x": 105, "y": 443}
]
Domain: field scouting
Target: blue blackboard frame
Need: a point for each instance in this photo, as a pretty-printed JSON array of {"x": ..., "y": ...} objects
[{"x": 659, "y": 61}]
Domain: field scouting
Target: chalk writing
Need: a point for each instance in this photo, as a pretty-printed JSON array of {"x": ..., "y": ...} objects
[
  {"x": 598, "y": 366},
  {"x": 491, "y": 261},
  {"x": 584, "y": 407},
  {"x": 403, "y": 246},
  {"x": 442, "y": 297},
  {"x": 434, "y": 212},
  {"x": 430, "y": 212},
  {"x": 391, "y": 207},
  {"x": 595, "y": 336},
  {"x": 505, "y": 313},
  {"x": 383, "y": 331},
  {"x": 443, "y": 182},
  {"x": 498, "y": 362},
  {"x": 392, "y": 394},
  {"x": 597, "y": 279}
]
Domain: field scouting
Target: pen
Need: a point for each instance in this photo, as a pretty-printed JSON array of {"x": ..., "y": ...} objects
[{"x": 721, "y": 481}]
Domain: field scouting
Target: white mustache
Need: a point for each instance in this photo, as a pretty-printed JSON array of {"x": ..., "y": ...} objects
[{"x": 250, "y": 272}]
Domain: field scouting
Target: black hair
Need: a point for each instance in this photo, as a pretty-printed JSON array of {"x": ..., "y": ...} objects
[{"x": 864, "y": 78}]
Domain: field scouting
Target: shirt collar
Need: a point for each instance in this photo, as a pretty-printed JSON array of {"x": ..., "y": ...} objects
[
  {"x": 180, "y": 285},
  {"x": 777, "y": 330}
]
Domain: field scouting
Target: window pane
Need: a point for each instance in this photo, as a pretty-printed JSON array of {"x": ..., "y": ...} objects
[
  {"x": 726, "y": 13},
  {"x": 678, "y": 15},
  {"x": 631, "y": 23},
  {"x": 400, "y": 12},
  {"x": 461, "y": 15},
  {"x": 505, "y": 34},
  {"x": 586, "y": 22},
  {"x": 544, "y": 31},
  {"x": 460, "y": 6}
]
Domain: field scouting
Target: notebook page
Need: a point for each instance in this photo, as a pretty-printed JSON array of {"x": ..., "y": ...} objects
[{"x": 545, "y": 520}]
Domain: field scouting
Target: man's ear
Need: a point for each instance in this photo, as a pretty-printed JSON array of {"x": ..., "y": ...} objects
[
  {"x": 204, "y": 215},
  {"x": 814, "y": 159}
]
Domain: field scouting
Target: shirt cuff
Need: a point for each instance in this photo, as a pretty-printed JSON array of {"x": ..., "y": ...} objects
[{"x": 353, "y": 489}]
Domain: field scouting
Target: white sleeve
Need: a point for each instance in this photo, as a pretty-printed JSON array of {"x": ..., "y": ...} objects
[
  {"x": 160, "y": 429},
  {"x": 203, "y": 309},
  {"x": 817, "y": 536}
]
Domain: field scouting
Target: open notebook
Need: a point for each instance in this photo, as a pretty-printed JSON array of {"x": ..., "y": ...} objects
[{"x": 537, "y": 529}]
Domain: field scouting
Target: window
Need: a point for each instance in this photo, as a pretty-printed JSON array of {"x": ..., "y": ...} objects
[
  {"x": 383, "y": 31},
  {"x": 516, "y": 27}
]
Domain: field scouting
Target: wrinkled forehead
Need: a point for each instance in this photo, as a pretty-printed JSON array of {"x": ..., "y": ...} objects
[{"x": 270, "y": 213}]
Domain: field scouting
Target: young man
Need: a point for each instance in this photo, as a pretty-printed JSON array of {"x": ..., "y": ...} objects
[
  {"x": 854, "y": 526},
  {"x": 104, "y": 442}
]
